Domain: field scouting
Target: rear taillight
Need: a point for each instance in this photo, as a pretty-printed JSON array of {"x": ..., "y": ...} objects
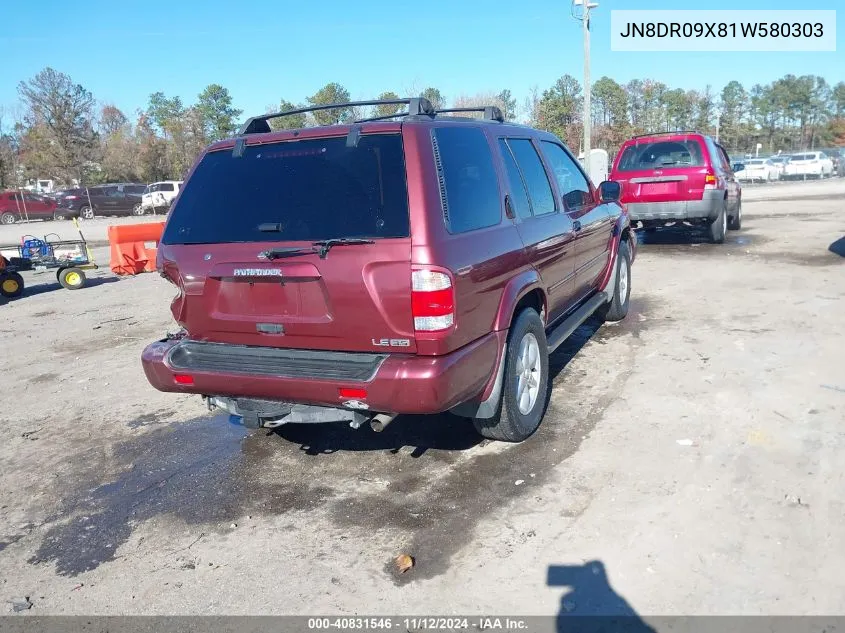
[
  {"x": 70, "y": 197},
  {"x": 710, "y": 181},
  {"x": 432, "y": 300}
]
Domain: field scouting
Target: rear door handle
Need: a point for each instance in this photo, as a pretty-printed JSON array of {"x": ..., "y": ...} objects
[{"x": 576, "y": 225}]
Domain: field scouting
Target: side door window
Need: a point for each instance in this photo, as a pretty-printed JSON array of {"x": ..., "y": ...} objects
[
  {"x": 469, "y": 187},
  {"x": 534, "y": 174},
  {"x": 519, "y": 201},
  {"x": 571, "y": 180}
]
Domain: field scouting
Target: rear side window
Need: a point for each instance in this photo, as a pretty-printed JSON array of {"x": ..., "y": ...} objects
[
  {"x": 655, "y": 155},
  {"x": 134, "y": 189},
  {"x": 165, "y": 186},
  {"x": 536, "y": 179},
  {"x": 312, "y": 189},
  {"x": 519, "y": 196},
  {"x": 469, "y": 189}
]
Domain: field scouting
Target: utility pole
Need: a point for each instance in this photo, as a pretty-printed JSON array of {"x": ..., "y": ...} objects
[{"x": 585, "y": 25}]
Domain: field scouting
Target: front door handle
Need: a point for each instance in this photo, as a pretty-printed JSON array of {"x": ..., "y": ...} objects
[{"x": 576, "y": 225}]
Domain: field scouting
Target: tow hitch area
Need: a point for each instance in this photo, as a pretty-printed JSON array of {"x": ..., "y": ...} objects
[{"x": 269, "y": 414}]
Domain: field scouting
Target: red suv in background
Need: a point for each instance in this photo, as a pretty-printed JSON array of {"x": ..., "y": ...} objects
[
  {"x": 16, "y": 205},
  {"x": 360, "y": 271},
  {"x": 679, "y": 177}
]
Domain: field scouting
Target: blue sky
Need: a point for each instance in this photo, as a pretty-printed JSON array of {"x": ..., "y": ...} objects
[{"x": 263, "y": 51}]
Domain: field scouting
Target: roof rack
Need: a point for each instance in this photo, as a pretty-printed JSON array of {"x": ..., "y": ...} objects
[
  {"x": 670, "y": 132},
  {"x": 259, "y": 124},
  {"x": 491, "y": 113}
]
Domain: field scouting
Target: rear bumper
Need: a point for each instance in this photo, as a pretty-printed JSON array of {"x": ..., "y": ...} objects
[
  {"x": 402, "y": 384},
  {"x": 708, "y": 207}
]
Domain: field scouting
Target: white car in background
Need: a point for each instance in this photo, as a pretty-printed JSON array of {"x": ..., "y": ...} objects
[
  {"x": 158, "y": 196},
  {"x": 779, "y": 162},
  {"x": 808, "y": 164},
  {"x": 761, "y": 169}
]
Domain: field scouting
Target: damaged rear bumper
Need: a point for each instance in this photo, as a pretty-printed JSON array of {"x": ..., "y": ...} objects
[{"x": 265, "y": 379}]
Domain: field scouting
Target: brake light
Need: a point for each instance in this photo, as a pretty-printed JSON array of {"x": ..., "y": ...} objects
[
  {"x": 183, "y": 379},
  {"x": 70, "y": 197},
  {"x": 432, "y": 300},
  {"x": 710, "y": 179},
  {"x": 352, "y": 392}
]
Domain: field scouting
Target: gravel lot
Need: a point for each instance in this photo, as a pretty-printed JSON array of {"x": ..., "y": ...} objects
[{"x": 695, "y": 450}]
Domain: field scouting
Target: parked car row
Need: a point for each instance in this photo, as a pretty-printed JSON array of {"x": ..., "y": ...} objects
[
  {"x": 815, "y": 164},
  {"x": 112, "y": 199}
]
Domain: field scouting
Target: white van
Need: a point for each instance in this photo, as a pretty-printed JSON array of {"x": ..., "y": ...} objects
[{"x": 158, "y": 196}]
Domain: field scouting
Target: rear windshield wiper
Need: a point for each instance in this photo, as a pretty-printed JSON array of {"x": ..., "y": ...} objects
[
  {"x": 325, "y": 245},
  {"x": 286, "y": 252}
]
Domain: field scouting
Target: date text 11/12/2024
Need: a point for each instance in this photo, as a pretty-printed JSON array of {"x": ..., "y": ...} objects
[{"x": 418, "y": 624}]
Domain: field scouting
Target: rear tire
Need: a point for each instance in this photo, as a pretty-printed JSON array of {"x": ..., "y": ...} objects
[
  {"x": 71, "y": 278},
  {"x": 735, "y": 223},
  {"x": 138, "y": 210},
  {"x": 11, "y": 285},
  {"x": 617, "y": 308},
  {"x": 525, "y": 387},
  {"x": 718, "y": 227},
  {"x": 86, "y": 213},
  {"x": 8, "y": 218}
]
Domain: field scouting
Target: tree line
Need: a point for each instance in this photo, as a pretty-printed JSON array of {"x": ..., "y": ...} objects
[{"x": 60, "y": 132}]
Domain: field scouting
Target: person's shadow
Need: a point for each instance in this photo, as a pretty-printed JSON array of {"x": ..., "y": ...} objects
[{"x": 591, "y": 605}]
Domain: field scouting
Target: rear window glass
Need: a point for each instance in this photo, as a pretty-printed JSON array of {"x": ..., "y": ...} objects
[
  {"x": 802, "y": 157},
  {"x": 315, "y": 189},
  {"x": 469, "y": 187},
  {"x": 651, "y": 155}
]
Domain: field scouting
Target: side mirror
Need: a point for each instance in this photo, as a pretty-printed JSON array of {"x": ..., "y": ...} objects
[
  {"x": 739, "y": 166},
  {"x": 610, "y": 191}
]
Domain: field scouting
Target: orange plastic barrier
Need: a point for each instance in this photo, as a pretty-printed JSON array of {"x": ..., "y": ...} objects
[{"x": 133, "y": 247}]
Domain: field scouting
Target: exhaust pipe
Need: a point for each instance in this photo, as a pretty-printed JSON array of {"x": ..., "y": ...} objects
[{"x": 381, "y": 420}]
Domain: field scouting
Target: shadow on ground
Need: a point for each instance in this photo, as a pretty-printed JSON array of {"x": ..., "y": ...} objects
[
  {"x": 34, "y": 286},
  {"x": 591, "y": 604}
]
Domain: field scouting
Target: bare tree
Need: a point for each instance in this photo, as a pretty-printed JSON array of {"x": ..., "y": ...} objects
[{"x": 59, "y": 125}]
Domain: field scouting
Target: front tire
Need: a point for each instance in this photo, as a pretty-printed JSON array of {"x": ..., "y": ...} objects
[
  {"x": 7, "y": 218},
  {"x": 718, "y": 227},
  {"x": 59, "y": 215},
  {"x": 735, "y": 223},
  {"x": 617, "y": 308},
  {"x": 525, "y": 385},
  {"x": 137, "y": 210}
]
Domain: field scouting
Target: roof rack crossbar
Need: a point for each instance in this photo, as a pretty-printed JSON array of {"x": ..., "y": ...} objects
[
  {"x": 259, "y": 124},
  {"x": 666, "y": 133},
  {"x": 384, "y": 117},
  {"x": 491, "y": 113}
]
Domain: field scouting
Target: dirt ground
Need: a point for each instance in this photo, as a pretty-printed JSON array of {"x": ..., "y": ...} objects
[{"x": 694, "y": 450}]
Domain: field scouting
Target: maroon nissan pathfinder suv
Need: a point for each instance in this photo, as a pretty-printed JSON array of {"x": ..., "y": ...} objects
[{"x": 412, "y": 264}]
